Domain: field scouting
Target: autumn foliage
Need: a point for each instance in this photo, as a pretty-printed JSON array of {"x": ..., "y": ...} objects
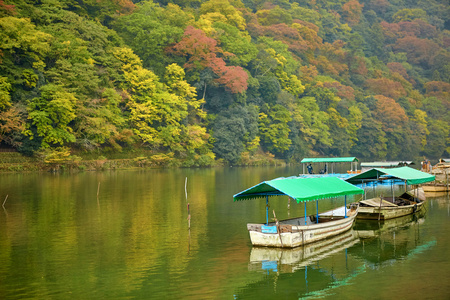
[{"x": 202, "y": 52}]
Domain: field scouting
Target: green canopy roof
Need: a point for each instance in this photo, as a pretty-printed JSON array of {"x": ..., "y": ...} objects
[
  {"x": 329, "y": 159},
  {"x": 410, "y": 175},
  {"x": 300, "y": 189}
]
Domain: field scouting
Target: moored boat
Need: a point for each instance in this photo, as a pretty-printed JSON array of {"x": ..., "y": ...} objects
[
  {"x": 436, "y": 187},
  {"x": 384, "y": 208},
  {"x": 300, "y": 231}
]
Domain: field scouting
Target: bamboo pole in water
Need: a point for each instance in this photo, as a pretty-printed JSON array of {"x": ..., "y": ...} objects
[
  {"x": 188, "y": 210},
  {"x": 5, "y": 201}
]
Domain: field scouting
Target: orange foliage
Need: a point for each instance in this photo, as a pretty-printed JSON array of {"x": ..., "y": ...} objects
[
  {"x": 10, "y": 124},
  {"x": 418, "y": 51},
  {"x": 352, "y": 11},
  {"x": 438, "y": 89},
  {"x": 416, "y": 28},
  {"x": 324, "y": 65},
  {"x": 308, "y": 32},
  {"x": 386, "y": 87},
  {"x": 361, "y": 68},
  {"x": 125, "y": 6},
  {"x": 390, "y": 113},
  {"x": 334, "y": 50},
  {"x": 286, "y": 34},
  {"x": 342, "y": 91},
  {"x": 307, "y": 73},
  {"x": 398, "y": 68}
]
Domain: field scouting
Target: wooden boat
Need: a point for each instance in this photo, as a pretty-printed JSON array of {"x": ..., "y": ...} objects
[
  {"x": 384, "y": 208},
  {"x": 303, "y": 230},
  {"x": 294, "y": 232},
  {"x": 435, "y": 187}
]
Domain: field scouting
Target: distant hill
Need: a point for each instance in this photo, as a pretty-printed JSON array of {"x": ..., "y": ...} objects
[{"x": 196, "y": 83}]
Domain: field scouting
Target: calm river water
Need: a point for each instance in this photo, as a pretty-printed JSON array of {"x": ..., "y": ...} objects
[{"x": 124, "y": 235}]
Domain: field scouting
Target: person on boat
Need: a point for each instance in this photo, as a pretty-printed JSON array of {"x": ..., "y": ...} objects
[{"x": 310, "y": 169}]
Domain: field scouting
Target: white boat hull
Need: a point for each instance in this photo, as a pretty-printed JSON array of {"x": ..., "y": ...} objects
[{"x": 291, "y": 236}]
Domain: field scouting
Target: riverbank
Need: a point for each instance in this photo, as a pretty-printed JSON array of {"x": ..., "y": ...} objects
[{"x": 16, "y": 162}]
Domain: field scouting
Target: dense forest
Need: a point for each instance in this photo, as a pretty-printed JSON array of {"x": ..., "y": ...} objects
[{"x": 196, "y": 82}]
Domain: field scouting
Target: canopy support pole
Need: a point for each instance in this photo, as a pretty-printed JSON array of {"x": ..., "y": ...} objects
[
  {"x": 345, "y": 207},
  {"x": 267, "y": 210},
  {"x": 392, "y": 188},
  {"x": 306, "y": 223},
  {"x": 317, "y": 211}
]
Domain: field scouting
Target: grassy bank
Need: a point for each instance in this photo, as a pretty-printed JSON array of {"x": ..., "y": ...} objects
[{"x": 15, "y": 162}]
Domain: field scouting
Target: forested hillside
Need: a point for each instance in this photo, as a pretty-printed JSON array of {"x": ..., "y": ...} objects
[{"x": 195, "y": 82}]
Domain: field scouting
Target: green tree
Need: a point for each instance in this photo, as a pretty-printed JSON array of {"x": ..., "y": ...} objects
[
  {"x": 438, "y": 140},
  {"x": 274, "y": 129},
  {"x": 234, "y": 130},
  {"x": 151, "y": 29},
  {"x": 51, "y": 114},
  {"x": 371, "y": 139},
  {"x": 21, "y": 39}
]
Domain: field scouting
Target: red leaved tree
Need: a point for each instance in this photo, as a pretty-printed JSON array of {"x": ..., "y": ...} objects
[
  {"x": 202, "y": 52},
  {"x": 418, "y": 51}
]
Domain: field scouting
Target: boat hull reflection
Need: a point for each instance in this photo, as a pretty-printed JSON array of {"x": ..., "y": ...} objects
[{"x": 290, "y": 260}]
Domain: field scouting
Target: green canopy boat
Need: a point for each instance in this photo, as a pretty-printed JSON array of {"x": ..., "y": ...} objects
[
  {"x": 382, "y": 207},
  {"x": 409, "y": 175},
  {"x": 331, "y": 160},
  {"x": 303, "y": 230}
]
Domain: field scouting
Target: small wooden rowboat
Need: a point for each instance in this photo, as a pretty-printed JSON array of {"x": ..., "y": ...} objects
[
  {"x": 435, "y": 187},
  {"x": 384, "y": 208},
  {"x": 296, "y": 232}
]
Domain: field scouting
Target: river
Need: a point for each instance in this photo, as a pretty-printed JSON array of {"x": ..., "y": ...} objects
[{"x": 125, "y": 235}]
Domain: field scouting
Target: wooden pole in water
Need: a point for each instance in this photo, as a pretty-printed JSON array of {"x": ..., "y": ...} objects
[
  {"x": 185, "y": 188},
  {"x": 188, "y": 210},
  {"x": 5, "y": 201},
  {"x": 189, "y": 216},
  {"x": 98, "y": 189}
]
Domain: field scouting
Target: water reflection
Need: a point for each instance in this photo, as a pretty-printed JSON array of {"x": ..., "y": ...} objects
[
  {"x": 313, "y": 270},
  {"x": 59, "y": 240},
  {"x": 290, "y": 260},
  {"x": 318, "y": 270},
  {"x": 385, "y": 243}
]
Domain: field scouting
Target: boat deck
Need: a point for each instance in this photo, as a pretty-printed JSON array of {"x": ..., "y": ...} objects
[{"x": 337, "y": 212}]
